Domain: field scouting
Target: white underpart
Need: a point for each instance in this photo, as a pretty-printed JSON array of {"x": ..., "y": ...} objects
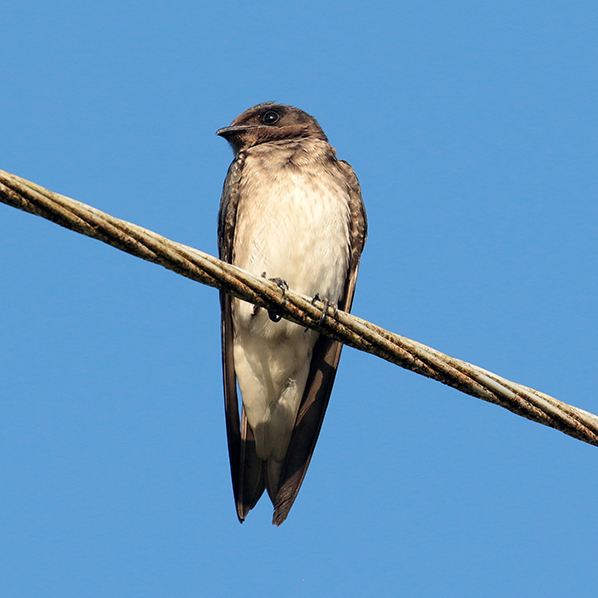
[{"x": 298, "y": 231}]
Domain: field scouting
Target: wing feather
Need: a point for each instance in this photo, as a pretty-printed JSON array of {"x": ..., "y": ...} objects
[
  {"x": 246, "y": 469},
  {"x": 325, "y": 358}
]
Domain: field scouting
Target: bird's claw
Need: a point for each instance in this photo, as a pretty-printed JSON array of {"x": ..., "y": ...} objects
[
  {"x": 283, "y": 286},
  {"x": 327, "y": 304},
  {"x": 280, "y": 283}
]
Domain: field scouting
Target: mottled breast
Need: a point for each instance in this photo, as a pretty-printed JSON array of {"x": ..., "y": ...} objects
[{"x": 293, "y": 216}]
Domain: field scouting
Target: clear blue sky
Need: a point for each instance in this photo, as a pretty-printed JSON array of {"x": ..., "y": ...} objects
[{"x": 473, "y": 129}]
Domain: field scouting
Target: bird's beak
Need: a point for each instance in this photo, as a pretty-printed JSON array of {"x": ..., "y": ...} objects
[{"x": 227, "y": 132}]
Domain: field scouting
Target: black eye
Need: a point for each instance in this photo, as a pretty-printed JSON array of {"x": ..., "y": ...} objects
[{"x": 270, "y": 118}]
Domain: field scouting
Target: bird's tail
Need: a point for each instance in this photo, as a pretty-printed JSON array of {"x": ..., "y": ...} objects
[
  {"x": 256, "y": 475},
  {"x": 252, "y": 473}
]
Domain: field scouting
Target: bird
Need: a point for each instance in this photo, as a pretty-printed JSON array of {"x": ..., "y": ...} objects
[{"x": 290, "y": 211}]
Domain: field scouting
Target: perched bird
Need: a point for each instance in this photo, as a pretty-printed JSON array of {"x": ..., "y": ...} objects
[{"x": 293, "y": 212}]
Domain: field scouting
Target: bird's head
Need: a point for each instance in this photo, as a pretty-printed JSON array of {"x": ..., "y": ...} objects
[{"x": 270, "y": 122}]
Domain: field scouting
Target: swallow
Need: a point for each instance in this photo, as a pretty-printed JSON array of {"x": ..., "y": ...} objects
[{"x": 291, "y": 211}]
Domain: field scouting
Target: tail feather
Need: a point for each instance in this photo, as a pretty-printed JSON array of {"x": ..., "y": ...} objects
[
  {"x": 273, "y": 471},
  {"x": 252, "y": 473}
]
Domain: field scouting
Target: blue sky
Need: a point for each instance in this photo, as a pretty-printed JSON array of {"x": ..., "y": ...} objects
[{"x": 472, "y": 127}]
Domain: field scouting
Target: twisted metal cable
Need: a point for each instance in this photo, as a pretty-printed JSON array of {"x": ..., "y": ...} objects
[{"x": 341, "y": 326}]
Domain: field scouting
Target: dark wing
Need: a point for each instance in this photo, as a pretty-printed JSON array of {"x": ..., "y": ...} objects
[
  {"x": 325, "y": 358},
  {"x": 246, "y": 468}
]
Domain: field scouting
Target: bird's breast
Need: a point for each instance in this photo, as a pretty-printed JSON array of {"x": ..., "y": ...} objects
[{"x": 293, "y": 223}]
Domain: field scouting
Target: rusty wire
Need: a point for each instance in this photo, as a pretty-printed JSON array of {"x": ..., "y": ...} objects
[{"x": 347, "y": 328}]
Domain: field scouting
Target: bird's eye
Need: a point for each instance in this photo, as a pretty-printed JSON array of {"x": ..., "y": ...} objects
[{"x": 270, "y": 118}]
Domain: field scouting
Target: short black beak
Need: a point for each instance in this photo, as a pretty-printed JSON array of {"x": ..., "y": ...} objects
[{"x": 227, "y": 132}]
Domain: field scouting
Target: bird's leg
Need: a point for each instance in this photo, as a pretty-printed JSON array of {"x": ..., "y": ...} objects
[
  {"x": 283, "y": 286},
  {"x": 327, "y": 304}
]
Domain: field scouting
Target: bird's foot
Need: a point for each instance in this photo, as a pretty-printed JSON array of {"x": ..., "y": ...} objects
[
  {"x": 283, "y": 286},
  {"x": 327, "y": 304}
]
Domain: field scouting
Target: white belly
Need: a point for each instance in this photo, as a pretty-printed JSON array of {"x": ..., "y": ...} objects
[{"x": 298, "y": 231}]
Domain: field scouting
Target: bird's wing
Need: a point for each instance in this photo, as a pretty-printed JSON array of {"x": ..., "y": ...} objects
[
  {"x": 325, "y": 358},
  {"x": 246, "y": 468}
]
